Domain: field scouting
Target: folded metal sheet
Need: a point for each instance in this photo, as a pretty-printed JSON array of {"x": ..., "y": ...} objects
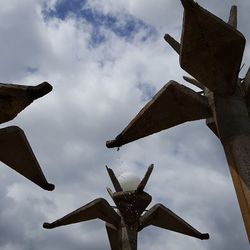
[
  {"x": 160, "y": 216},
  {"x": 211, "y": 49},
  {"x": 16, "y": 152},
  {"x": 172, "y": 105},
  {"x": 98, "y": 208}
]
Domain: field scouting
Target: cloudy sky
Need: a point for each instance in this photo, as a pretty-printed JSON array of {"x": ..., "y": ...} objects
[{"x": 105, "y": 60}]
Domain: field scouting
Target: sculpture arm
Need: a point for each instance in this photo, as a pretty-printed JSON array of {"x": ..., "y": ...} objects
[
  {"x": 98, "y": 208},
  {"x": 14, "y": 98},
  {"x": 16, "y": 152},
  {"x": 160, "y": 216},
  {"x": 172, "y": 105}
]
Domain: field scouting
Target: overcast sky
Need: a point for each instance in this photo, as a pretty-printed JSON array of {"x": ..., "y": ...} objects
[{"x": 105, "y": 60}]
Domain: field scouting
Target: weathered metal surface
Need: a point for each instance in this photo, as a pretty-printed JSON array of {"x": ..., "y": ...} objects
[
  {"x": 16, "y": 152},
  {"x": 124, "y": 224},
  {"x": 160, "y": 216},
  {"x": 233, "y": 126},
  {"x": 237, "y": 151},
  {"x": 113, "y": 236},
  {"x": 99, "y": 208},
  {"x": 233, "y": 17},
  {"x": 246, "y": 87},
  {"x": 211, "y": 50},
  {"x": 131, "y": 205},
  {"x": 128, "y": 235},
  {"x": 14, "y": 98},
  {"x": 172, "y": 105}
]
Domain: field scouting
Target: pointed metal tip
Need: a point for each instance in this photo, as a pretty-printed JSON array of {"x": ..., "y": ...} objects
[
  {"x": 49, "y": 187},
  {"x": 233, "y": 16},
  {"x": 151, "y": 166},
  {"x": 188, "y": 3},
  {"x": 204, "y": 236},
  {"x": 173, "y": 43},
  {"x": 113, "y": 144},
  {"x": 40, "y": 90},
  {"x": 47, "y": 225},
  {"x": 166, "y": 37}
]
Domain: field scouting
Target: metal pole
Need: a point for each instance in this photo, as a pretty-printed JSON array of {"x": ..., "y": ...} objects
[
  {"x": 128, "y": 238},
  {"x": 233, "y": 125}
]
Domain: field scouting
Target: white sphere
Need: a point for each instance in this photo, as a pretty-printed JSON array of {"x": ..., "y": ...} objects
[{"x": 129, "y": 181}]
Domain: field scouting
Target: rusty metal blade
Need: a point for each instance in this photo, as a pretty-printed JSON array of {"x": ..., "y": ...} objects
[
  {"x": 211, "y": 50},
  {"x": 98, "y": 208},
  {"x": 172, "y": 105},
  {"x": 114, "y": 180},
  {"x": 14, "y": 98},
  {"x": 16, "y": 152},
  {"x": 144, "y": 181},
  {"x": 160, "y": 216},
  {"x": 113, "y": 236}
]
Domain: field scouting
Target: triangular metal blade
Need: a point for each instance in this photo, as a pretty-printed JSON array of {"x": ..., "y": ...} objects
[
  {"x": 211, "y": 50},
  {"x": 114, "y": 180},
  {"x": 160, "y": 216},
  {"x": 144, "y": 181},
  {"x": 16, "y": 152},
  {"x": 14, "y": 98},
  {"x": 98, "y": 208},
  {"x": 172, "y": 105},
  {"x": 113, "y": 236},
  {"x": 233, "y": 17}
]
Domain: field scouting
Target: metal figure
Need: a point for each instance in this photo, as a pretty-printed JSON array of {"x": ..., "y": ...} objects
[
  {"x": 15, "y": 150},
  {"x": 211, "y": 51},
  {"x": 129, "y": 217}
]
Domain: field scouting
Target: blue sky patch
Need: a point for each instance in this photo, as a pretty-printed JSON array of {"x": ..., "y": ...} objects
[
  {"x": 125, "y": 29},
  {"x": 147, "y": 91}
]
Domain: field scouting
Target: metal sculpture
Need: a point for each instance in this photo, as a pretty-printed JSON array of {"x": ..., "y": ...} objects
[
  {"x": 211, "y": 51},
  {"x": 15, "y": 150},
  {"x": 128, "y": 218}
]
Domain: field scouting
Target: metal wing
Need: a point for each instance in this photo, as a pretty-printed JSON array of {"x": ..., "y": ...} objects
[
  {"x": 211, "y": 50},
  {"x": 16, "y": 152},
  {"x": 160, "y": 216},
  {"x": 113, "y": 236},
  {"x": 172, "y": 105},
  {"x": 14, "y": 98},
  {"x": 98, "y": 208}
]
